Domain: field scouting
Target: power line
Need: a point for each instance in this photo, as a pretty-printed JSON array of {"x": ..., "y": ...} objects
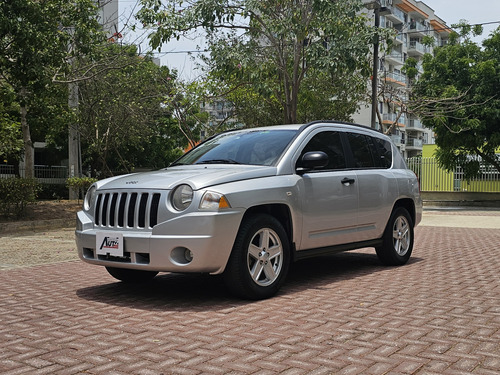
[
  {"x": 174, "y": 52},
  {"x": 446, "y": 28},
  {"x": 399, "y": 33}
]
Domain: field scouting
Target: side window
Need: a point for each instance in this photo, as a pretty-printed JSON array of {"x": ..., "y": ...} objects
[
  {"x": 384, "y": 151},
  {"x": 330, "y": 143},
  {"x": 361, "y": 150}
]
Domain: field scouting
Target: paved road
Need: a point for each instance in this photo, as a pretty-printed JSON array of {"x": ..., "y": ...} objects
[{"x": 342, "y": 314}]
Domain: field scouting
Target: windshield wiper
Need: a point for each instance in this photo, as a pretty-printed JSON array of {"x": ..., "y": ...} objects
[{"x": 219, "y": 161}]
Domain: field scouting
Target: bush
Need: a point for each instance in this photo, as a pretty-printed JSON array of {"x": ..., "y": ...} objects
[
  {"x": 81, "y": 184},
  {"x": 53, "y": 192},
  {"x": 16, "y": 194}
]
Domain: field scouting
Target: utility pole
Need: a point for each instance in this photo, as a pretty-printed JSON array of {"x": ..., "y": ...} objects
[
  {"x": 73, "y": 140},
  {"x": 375, "y": 66},
  {"x": 374, "y": 5}
]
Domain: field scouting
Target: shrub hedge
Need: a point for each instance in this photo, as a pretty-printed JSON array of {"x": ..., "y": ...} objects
[
  {"x": 81, "y": 184},
  {"x": 16, "y": 194}
]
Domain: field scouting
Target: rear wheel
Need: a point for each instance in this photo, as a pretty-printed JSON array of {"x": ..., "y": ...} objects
[
  {"x": 260, "y": 258},
  {"x": 397, "y": 239},
  {"x": 131, "y": 276}
]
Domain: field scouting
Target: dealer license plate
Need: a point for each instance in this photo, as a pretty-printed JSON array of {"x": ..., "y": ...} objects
[{"x": 109, "y": 243}]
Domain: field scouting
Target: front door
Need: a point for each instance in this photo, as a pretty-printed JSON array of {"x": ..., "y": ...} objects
[{"x": 329, "y": 196}]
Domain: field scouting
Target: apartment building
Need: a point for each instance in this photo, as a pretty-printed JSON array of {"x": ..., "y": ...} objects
[
  {"x": 412, "y": 21},
  {"x": 108, "y": 16}
]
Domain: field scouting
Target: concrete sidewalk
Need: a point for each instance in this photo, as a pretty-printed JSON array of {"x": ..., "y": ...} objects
[{"x": 461, "y": 217}]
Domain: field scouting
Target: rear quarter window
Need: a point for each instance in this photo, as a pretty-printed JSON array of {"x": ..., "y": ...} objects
[{"x": 384, "y": 150}]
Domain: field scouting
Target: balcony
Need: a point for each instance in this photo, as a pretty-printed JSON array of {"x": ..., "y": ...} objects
[
  {"x": 416, "y": 49},
  {"x": 414, "y": 144},
  {"x": 396, "y": 78},
  {"x": 399, "y": 141},
  {"x": 416, "y": 125},
  {"x": 392, "y": 13},
  {"x": 390, "y": 118},
  {"x": 395, "y": 58},
  {"x": 417, "y": 28},
  {"x": 400, "y": 38}
]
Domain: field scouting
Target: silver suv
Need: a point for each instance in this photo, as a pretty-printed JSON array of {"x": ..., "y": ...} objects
[{"x": 246, "y": 203}]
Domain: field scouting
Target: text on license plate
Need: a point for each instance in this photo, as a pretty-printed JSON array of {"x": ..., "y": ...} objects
[{"x": 109, "y": 243}]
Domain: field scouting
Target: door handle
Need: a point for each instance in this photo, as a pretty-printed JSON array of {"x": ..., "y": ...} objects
[{"x": 348, "y": 181}]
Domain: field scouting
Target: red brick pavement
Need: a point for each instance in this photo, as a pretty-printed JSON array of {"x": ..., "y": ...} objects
[{"x": 343, "y": 314}]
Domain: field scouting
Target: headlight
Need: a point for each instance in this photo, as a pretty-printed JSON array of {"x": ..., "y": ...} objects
[
  {"x": 213, "y": 201},
  {"x": 182, "y": 197},
  {"x": 89, "y": 197}
]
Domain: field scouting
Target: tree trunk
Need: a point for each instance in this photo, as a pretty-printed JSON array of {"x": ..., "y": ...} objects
[{"x": 29, "y": 158}]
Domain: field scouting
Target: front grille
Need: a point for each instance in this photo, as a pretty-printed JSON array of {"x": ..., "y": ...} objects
[{"x": 127, "y": 210}]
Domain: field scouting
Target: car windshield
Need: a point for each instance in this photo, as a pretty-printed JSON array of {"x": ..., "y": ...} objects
[{"x": 255, "y": 147}]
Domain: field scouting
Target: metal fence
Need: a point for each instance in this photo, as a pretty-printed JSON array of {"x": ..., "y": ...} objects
[
  {"x": 435, "y": 179},
  {"x": 51, "y": 174},
  {"x": 44, "y": 174},
  {"x": 431, "y": 176}
]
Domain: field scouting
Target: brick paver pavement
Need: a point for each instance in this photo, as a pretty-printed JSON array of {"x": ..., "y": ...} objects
[{"x": 342, "y": 314}]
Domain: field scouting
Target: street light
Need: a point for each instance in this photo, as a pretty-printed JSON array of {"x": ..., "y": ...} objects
[{"x": 375, "y": 6}]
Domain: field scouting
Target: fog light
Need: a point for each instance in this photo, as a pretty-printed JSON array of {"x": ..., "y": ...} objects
[{"x": 181, "y": 256}]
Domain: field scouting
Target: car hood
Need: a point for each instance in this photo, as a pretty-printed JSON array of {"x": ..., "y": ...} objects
[{"x": 197, "y": 176}]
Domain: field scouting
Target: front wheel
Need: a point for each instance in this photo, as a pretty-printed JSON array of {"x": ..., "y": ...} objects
[
  {"x": 130, "y": 275},
  {"x": 397, "y": 242},
  {"x": 260, "y": 258}
]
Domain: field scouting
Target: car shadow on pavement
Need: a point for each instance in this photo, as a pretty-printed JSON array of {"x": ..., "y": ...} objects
[{"x": 201, "y": 292}]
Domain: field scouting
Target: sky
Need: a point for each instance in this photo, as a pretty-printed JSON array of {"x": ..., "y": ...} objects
[
  {"x": 174, "y": 56},
  {"x": 473, "y": 11}
]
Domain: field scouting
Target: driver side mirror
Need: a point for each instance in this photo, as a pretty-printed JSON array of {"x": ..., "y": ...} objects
[{"x": 312, "y": 160}]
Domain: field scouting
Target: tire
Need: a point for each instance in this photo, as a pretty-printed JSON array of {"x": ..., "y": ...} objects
[
  {"x": 259, "y": 260},
  {"x": 131, "y": 276},
  {"x": 397, "y": 244}
]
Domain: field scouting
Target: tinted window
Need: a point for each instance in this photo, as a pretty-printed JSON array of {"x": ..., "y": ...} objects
[
  {"x": 331, "y": 144},
  {"x": 384, "y": 151},
  {"x": 361, "y": 150}
]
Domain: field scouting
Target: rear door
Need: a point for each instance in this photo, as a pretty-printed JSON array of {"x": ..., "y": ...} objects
[{"x": 371, "y": 160}]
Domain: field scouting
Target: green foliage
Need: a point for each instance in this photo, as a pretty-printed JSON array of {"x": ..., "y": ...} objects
[
  {"x": 410, "y": 68},
  {"x": 466, "y": 30},
  {"x": 428, "y": 41},
  {"x": 458, "y": 97},
  {"x": 122, "y": 119},
  {"x": 11, "y": 143},
  {"x": 282, "y": 56},
  {"x": 35, "y": 36},
  {"x": 183, "y": 102},
  {"x": 53, "y": 192},
  {"x": 38, "y": 41},
  {"x": 16, "y": 194},
  {"x": 80, "y": 184}
]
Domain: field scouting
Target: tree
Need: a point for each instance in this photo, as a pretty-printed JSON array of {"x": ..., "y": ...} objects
[
  {"x": 123, "y": 122},
  {"x": 302, "y": 58},
  {"x": 37, "y": 39},
  {"x": 458, "y": 97},
  {"x": 10, "y": 129},
  {"x": 183, "y": 102}
]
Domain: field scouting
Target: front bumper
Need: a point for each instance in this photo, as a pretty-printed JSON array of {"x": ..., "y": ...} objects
[{"x": 209, "y": 236}]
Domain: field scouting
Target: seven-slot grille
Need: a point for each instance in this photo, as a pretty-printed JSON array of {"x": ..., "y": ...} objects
[{"x": 127, "y": 209}]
